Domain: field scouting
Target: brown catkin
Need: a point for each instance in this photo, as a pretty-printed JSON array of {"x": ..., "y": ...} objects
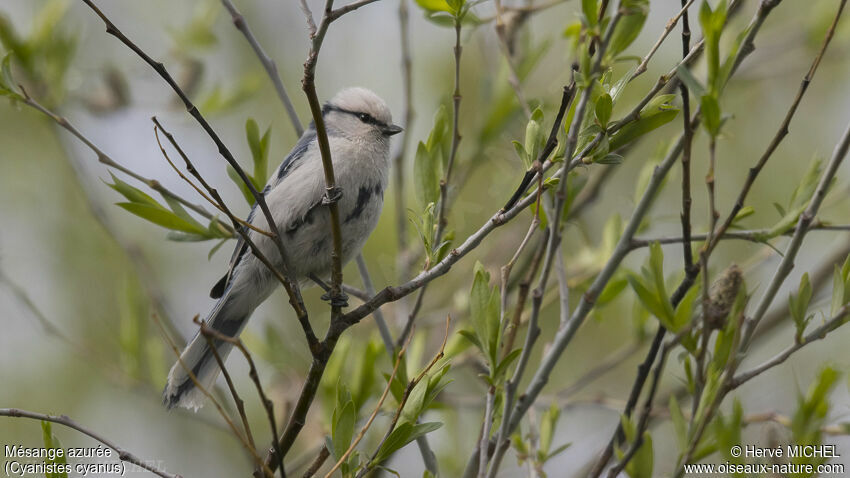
[{"x": 722, "y": 295}]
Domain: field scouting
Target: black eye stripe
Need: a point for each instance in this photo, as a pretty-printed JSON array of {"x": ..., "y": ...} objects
[{"x": 364, "y": 117}]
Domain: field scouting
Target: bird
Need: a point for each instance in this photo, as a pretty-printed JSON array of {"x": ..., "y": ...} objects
[{"x": 359, "y": 126}]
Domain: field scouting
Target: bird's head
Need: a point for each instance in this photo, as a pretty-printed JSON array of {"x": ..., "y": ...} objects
[{"x": 359, "y": 113}]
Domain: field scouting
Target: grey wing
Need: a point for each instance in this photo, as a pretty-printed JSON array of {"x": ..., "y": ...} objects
[{"x": 290, "y": 163}]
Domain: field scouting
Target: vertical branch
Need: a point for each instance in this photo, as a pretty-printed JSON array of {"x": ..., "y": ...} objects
[
  {"x": 332, "y": 192},
  {"x": 444, "y": 183},
  {"x": 442, "y": 221},
  {"x": 688, "y": 135}
]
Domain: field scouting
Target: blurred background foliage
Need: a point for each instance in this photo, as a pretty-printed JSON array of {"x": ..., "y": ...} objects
[{"x": 82, "y": 278}]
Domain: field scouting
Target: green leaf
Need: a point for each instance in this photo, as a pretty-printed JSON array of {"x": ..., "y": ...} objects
[
  {"x": 8, "y": 87},
  {"x": 837, "y": 291},
  {"x": 642, "y": 126},
  {"x": 711, "y": 114},
  {"x": 684, "y": 311},
  {"x": 589, "y": 8},
  {"x": 612, "y": 290},
  {"x": 694, "y": 86},
  {"x": 435, "y": 5},
  {"x": 484, "y": 314},
  {"x": 548, "y": 422},
  {"x": 427, "y": 171},
  {"x": 806, "y": 187},
  {"x": 401, "y": 436},
  {"x": 181, "y": 212},
  {"x": 506, "y": 362},
  {"x": 342, "y": 430},
  {"x": 743, "y": 213},
  {"x": 533, "y": 137},
  {"x": 648, "y": 298},
  {"x": 629, "y": 27},
  {"x": 604, "y": 106},
  {"x": 259, "y": 152},
  {"x": 415, "y": 404},
  {"x": 51, "y": 442},
  {"x": 652, "y": 291},
  {"x": 470, "y": 336},
  {"x": 234, "y": 176},
  {"x": 656, "y": 262},
  {"x": 799, "y": 304},
  {"x": 680, "y": 426},
  {"x": 178, "y": 236},
  {"x": 642, "y": 463},
  {"x": 216, "y": 248},
  {"x": 557, "y": 451},
  {"x": 658, "y": 104},
  {"x": 610, "y": 158},
  {"x": 162, "y": 217},
  {"x": 439, "y": 132},
  {"x": 712, "y": 22},
  {"x": 520, "y": 152},
  {"x": 131, "y": 193}
]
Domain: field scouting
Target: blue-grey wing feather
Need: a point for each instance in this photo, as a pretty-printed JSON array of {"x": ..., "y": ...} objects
[{"x": 289, "y": 164}]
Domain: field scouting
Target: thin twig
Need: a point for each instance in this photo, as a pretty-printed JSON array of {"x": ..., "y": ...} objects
[
  {"x": 123, "y": 454},
  {"x": 456, "y": 137},
  {"x": 683, "y": 13},
  {"x": 758, "y": 236}
]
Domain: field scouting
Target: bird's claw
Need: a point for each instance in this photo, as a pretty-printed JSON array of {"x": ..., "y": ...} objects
[
  {"x": 338, "y": 300},
  {"x": 331, "y": 196}
]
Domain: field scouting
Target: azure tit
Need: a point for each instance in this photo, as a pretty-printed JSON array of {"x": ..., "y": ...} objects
[{"x": 359, "y": 126}]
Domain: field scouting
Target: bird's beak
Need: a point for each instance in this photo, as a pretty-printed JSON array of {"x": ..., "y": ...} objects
[{"x": 391, "y": 130}]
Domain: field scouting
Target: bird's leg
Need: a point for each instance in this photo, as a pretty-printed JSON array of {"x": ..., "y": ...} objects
[
  {"x": 340, "y": 300},
  {"x": 319, "y": 282}
]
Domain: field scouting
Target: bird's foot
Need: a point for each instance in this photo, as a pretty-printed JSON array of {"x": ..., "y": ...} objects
[
  {"x": 338, "y": 300},
  {"x": 331, "y": 196}
]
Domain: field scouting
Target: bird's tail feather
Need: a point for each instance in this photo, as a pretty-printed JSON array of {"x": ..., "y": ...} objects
[{"x": 228, "y": 317}]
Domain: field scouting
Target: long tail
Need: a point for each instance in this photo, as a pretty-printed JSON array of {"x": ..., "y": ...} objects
[{"x": 228, "y": 317}]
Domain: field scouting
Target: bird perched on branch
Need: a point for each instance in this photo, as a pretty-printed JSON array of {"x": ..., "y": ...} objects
[{"x": 359, "y": 126}]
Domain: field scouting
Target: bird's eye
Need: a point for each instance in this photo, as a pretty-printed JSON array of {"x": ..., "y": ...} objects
[{"x": 364, "y": 117}]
